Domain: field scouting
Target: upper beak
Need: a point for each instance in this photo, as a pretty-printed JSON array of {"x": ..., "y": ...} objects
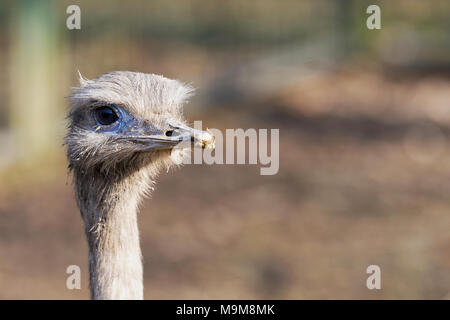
[{"x": 179, "y": 133}]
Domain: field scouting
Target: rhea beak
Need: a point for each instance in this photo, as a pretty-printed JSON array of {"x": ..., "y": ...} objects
[
  {"x": 178, "y": 135},
  {"x": 198, "y": 138}
]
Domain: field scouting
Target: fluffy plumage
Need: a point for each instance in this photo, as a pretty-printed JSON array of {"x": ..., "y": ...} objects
[{"x": 114, "y": 165}]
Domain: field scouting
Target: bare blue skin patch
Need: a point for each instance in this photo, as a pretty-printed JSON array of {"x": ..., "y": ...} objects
[{"x": 126, "y": 124}]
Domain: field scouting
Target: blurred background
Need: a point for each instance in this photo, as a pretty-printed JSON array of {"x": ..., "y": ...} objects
[{"x": 364, "y": 125}]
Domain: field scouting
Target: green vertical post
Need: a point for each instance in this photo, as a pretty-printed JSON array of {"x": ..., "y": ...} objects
[{"x": 33, "y": 70}]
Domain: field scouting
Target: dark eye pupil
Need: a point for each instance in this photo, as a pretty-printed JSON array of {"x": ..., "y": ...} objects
[{"x": 106, "y": 115}]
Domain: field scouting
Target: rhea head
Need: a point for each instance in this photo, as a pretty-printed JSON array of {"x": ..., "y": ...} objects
[{"x": 122, "y": 122}]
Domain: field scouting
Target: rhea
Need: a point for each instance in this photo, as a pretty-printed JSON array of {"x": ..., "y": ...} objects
[{"x": 123, "y": 129}]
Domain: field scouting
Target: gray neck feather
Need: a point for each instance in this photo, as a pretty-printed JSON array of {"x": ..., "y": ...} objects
[{"x": 108, "y": 206}]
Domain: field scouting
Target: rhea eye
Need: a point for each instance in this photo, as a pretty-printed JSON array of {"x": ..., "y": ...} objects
[{"x": 106, "y": 115}]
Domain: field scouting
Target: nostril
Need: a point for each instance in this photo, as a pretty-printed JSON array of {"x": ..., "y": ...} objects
[{"x": 169, "y": 133}]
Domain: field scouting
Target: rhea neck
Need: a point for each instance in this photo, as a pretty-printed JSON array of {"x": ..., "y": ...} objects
[{"x": 108, "y": 205}]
